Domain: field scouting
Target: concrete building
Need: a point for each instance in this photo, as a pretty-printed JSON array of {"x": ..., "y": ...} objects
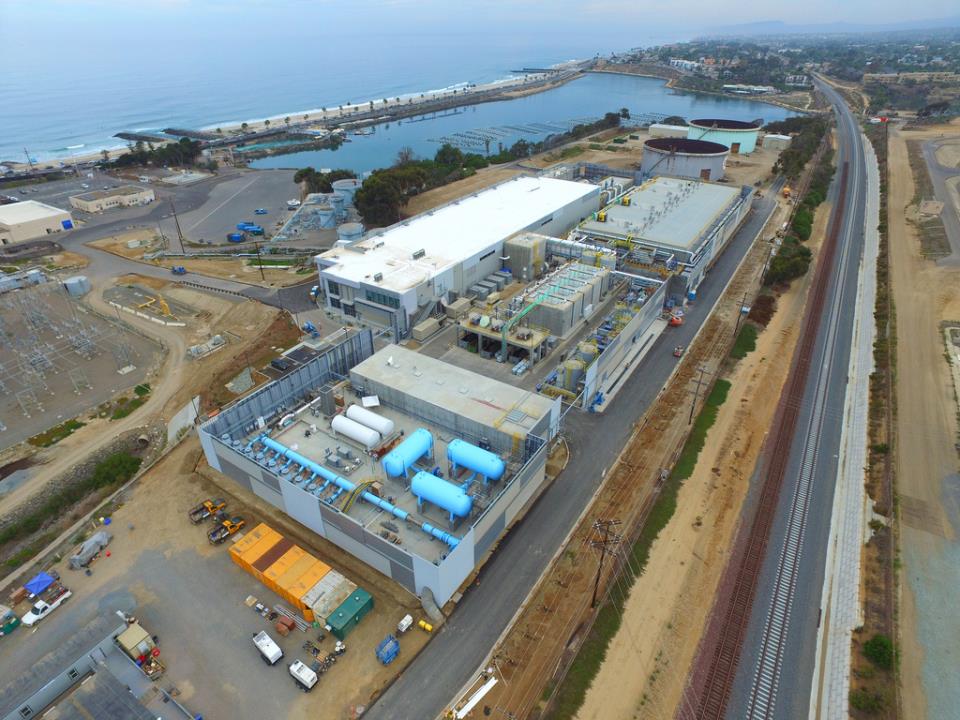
[
  {"x": 97, "y": 201},
  {"x": 298, "y": 441},
  {"x": 29, "y": 220},
  {"x": 680, "y": 157},
  {"x": 739, "y": 136},
  {"x": 777, "y": 143},
  {"x": 394, "y": 278},
  {"x": 659, "y": 130},
  {"x": 671, "y": 227}
]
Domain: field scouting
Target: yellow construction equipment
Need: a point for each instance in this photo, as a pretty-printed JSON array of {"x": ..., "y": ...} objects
[
  {"x": 159, "y": 302},
  {"x": 225, "y": 528}
]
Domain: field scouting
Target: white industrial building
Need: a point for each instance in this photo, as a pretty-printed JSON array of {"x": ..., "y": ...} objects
[
  {"x": 672, "y": 226},
  {"x": 97, "y": 201},
  {"x": 393, "y": 278},
  {"x": 29, "y": 219}
]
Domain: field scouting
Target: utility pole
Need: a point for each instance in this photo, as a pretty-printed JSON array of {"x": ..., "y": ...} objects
[
  {"x": 176, "y": 220},
  {"x": 696, "y": 393},
  {"x": 606, "y": 540},
  {"x": 743, "y": 304},
  {"x": 259, "y": 261}
]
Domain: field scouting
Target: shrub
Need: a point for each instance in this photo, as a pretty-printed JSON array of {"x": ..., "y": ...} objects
[
  {"x": 879, "y": 651},
  {"x": 866, "y": 701}
]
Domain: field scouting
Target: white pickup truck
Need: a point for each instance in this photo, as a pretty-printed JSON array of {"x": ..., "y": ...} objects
[
  {"x": 42, "y": 608},
  {"x": 269, "y": 650}
]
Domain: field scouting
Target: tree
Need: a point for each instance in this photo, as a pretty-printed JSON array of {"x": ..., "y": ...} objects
[
  {"x": 879, "y": 651},
  {"x": 266, "y": 123},
  {"x": 307, "y": 117},
  {"x": 105, "y": 154},
  {"x": 404, "y": 155},
  {"x": 287, "y": 120},
  {"x": 244, "y": 126},
  {"x": 674, "y": 120},
  {"x": 625, "y": 113},
  {"x": 448, "y": 155},
  {"x": 378, "y": 201},
  {"x": 219, "y": 131}
]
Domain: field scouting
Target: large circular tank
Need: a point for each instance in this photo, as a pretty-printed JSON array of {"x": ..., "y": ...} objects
[
  {"x": 572, "y": 374},
  {"x": 349, "y": 232},
  {"x": 324, "y": 215},
  {"x": 346, "y": 188},
  {"x": 739, "y": 136},
  {"x": 681, "y": 157},
  {"x": 587, "y": 351}
]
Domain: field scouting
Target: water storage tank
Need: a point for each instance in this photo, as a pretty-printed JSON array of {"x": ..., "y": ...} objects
[
  {"x": 680, "y": 157},
  {"x": 572, "y": 374},
  {"x": 77, "y": 286},
  {"x": 587, "y": 351},
  {"x": 349, "y": 232},
  {"x": 462, "y": 453},
  {"x": 403, "y": 456},
  {"x": 443, "y": 494},
  {"x": 382, "y": 425},
  {"x": 346, "y": 188},
  {"x": 368, "y": 437},
  {"x": 739, "y": 136}
]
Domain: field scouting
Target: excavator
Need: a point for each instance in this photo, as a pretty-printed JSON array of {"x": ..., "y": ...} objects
[
  {"x": 206, "y": 510},
  {"x": 225, "y": 527}
]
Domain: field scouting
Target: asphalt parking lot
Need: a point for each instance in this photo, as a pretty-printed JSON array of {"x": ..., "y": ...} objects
[
  {"x": 58, "y": 192},
  {"x": 233, "y": 201}
]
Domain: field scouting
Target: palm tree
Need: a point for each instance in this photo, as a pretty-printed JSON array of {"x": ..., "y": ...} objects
[
  {"x": 266, "y": 123},
  {"x": 244, "y": 126},
  {"x": 287, "y": 119},
  {"x": 105, "y": 154},
  {"x": 307, "y": 117}
]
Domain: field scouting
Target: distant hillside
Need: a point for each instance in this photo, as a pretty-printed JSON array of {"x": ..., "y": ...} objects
[{"x": 777, "y": 27}]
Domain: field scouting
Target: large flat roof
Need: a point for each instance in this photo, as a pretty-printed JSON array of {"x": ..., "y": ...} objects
[
  {"x": 667, "y": 211},
  {"x": 27, "y": 211},
  {"x": 476, "y": 397},
  {"x": 451, "y": 233},
  {"x": 113, "y": 192}
]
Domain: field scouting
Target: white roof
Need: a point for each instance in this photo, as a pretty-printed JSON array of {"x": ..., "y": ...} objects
[
  {"x": 451, "y": 233},
  {"x": 28, "y": 211}
]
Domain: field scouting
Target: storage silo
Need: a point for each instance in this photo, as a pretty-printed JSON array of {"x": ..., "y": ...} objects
[
  {"x": 77, "y": 286},
  {"x": 739, "y": 136},
  {"x": 349, "y": 232},
  {"x": 681, "y": 157},
  {"x": 346, "y": 188}
]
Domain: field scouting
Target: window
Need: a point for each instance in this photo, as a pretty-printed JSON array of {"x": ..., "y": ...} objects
[
  {"x": 72, "y": 672},
  {"x": 549, "y": 219},
  {"x": 335, "y": 302},
  {"x": 484, "y": 257},
  {"x": 382, "y": 298},
  {"x": 333, "y": 288},
  {"x": 25, "y": 711}
]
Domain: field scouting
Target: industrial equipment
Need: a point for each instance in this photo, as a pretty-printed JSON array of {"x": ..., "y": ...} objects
[
  {"x": 268, "y": 649},
  {"x": 205, "y": 510},
  {"x": 406, "y": 622},
  {"x": 225, "y": 528},
  {"x": 443, "y": 494},
  {"x": 388, "y": 649},
  {"x": 463, "y": 454},
  {"x": 140, "y": 647},
  {"x": 399, "y": 460},
  {"x": 178, "y": 270},
  {"x": 366, "y": 436}
]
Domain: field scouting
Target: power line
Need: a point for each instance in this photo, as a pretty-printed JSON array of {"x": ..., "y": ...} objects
[{"x": 606, "y": 541}]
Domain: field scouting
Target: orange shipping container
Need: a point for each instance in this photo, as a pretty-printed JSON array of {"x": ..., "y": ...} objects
[
  {"x": 257, "y": 550},
  {"x": 306, "y": 581},
  {"x": 295, "y": 572},
  {"x": 283, "y": 563},
  {"x": 249, "y": 539},
  {"x": 259, "y": 566}
]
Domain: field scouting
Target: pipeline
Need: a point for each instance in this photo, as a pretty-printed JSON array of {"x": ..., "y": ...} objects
[{"x": 347, "y": 486}]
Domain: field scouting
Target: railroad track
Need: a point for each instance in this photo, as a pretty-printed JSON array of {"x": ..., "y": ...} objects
[{"x": 722, "y": 668}]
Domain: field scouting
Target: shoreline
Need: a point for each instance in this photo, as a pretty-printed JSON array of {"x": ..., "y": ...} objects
[{"x": 369, "y": 112}]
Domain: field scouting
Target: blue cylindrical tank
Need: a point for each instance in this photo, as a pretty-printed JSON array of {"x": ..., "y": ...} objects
[
  {"x": 443, "y": 494},
  {"x": 474, "y": 458},
  {"x": 403, "y": 456}
]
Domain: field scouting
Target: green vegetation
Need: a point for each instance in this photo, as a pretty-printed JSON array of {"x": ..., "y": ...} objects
[
  {"x": 791, "y": 261},
  {"x": 111, "y": 472},
  {"x": 866, "y": 701},
  {"x": 142, "y": 389},
  {"x": 587, "y": 663},
  {"x": 56, "y": 433},
  {"x": 183, "y": 152},
  {"x": 387, "y": 190},
  {"x": 126, "y": 406},
  {"x": 746, "y": 342},
  {"x": 807, "y": 134},
  {"x": 271, "y": 262},
  {"x": 318, "y": 182},
  {"x": 879, "y": 650}
]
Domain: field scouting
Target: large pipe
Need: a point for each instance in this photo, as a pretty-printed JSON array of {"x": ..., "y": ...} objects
[{"x": 344, "y": 484}]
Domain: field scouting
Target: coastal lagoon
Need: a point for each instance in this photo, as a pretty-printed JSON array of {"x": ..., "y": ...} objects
[{"x": 531, "y": 117}]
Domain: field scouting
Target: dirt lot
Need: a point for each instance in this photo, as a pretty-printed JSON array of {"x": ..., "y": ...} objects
[
  {"x": 688, "y": 558},
  {"x": 229, "y": 268},
  {"x": 191, "y": 595},
  {"x": 924, "y": 295},
  {"x": 949, "y": 154}
]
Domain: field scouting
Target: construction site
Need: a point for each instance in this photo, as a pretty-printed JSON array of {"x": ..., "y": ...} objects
[{"x": 60, "y": 358}]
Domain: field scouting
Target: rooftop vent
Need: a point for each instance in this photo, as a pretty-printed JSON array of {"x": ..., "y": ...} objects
[
  {"x": 378, "y": 277},
  {"x": 419, "y": 254}
]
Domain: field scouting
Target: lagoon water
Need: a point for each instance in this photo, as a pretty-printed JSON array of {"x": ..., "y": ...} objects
[{"x": 532, "y": 117}]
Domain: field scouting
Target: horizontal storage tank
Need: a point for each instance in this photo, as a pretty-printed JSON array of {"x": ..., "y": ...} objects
[
  {"x": 368, "y": 437},
  {"x": 77, "y": 286},
  {"x": 349, "y": 232},
  {"x": 464, "y": 454},
  {"x": 443, "y": 494},
  {"x": 346, "y": 188},
  {"x": 382, "y": 425},
  {"x": 739, "y": 136},
  {"x": 681, "y": 157},
  {"x": 403, "y": 456}
]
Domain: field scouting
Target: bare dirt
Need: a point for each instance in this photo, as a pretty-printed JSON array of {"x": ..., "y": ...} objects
[
  {"x": 949, "y": 154},
  {"x": 687, "y": 560},
  {"x": 924, "y": 295},
  {"x": 228, "y": 268}
]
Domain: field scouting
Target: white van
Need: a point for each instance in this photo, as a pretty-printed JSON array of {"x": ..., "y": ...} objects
[
  {"x": 304, "y": 677},
  {"x": 269, "y": 650}
]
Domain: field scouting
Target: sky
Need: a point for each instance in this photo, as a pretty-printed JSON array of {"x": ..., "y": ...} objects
[{"x": 607, "y": 19}]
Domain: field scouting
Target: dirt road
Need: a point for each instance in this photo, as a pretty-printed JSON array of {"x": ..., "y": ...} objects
[
  {"x": 924, "y": 294},
  {"x": 687, "y": 560}
]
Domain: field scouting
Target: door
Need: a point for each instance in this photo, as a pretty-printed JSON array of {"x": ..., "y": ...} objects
[
  {"x": 735, "y": 148},
  {"x": 705, "y": 174}
]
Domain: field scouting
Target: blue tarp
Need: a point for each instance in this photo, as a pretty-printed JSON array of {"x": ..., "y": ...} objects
[{"x": 40, "y": 583}]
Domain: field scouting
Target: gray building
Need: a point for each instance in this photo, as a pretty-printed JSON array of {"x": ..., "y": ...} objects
[{"x": 292, "y": 443}]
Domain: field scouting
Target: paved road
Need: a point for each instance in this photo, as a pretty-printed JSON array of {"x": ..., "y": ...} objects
[
  {"x": 939, "y": 174},
  {"x": 429, "y": 684},
  {"x": 814, "y": 456}
]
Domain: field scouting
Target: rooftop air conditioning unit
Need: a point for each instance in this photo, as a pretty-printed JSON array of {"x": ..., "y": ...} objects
[
  {"x": 419, "y": 254},
  {"x": 378, "y": 277}
]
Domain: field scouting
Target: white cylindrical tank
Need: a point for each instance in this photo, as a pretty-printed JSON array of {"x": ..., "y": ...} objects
[
  {"x": 346, "y": 188},
  {"x": 349, "y": 232},
  {"x": 382, "y": 425},
  {"x": 368, "y": 437},
  {"x": 681, "y": 157}
]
